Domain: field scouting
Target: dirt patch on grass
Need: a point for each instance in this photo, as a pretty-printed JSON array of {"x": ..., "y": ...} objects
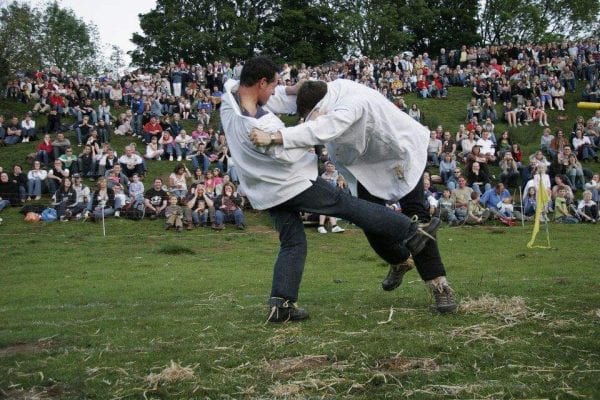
[
  {"x": 285, "y": 390},
  {"x": 405, "y": 364},
  {"x": 27, "y": 348},
  {"x": 291, "y": 365}
]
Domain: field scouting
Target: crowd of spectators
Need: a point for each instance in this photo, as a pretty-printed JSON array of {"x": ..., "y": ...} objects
[{"x": 529, "y": 81}]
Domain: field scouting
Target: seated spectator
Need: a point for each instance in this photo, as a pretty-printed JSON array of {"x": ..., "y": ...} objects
[
  {"x": 447, "y": 167},
  {"x": 487, "y": 146},
  {"x": 55, "y": 176},
  {"x": 488, "y": 112},
  {"x": 167, "y": 143},
  {"x": 174, "y": 215},
  {"x": 124, "y": 124},
  {"x": 131, "y": 163},
  {"x": 539, "y": 158},
  {"x": 493, "y": 197},
  {"x": 476, "y": 156},
  {"x": 228, "y": 208},
  {"x": 20, "y": 178},
  {"x": 476, "y": 213},
  {"x": 104, "y": 112},
  {"x": 103, "y": 131},
  {"x": 9, "y": 192},
  {"x": 591, "y": 93},
  {"x": 461, "y": 196},
  {"x": 530, "y": 203},
  {"x": 60, "y": 145},
  {"x": 583, "y": 147},
  {"x": 65, "y": 201},
  {"x": 504, "y": 144},
  {"x": 151, "y": 128},
  {"x": 69, "y": 161},
  {"x": 446, "y": 206},
  {"x": 478, "y": 179},
  {"x": 574, "y": 171},
  {"x": 415, "y": 112},
  {"x": 561, "y": 210},
  {"x": 473, "y": 110},
  {"x": 115, "y": 176},
  {"x": 154, "y": 150},
  {"x": 546, "y": 143},
  {"x": 45, "y": 151},
  {"x": 509, "y": 170},
  {"x": 156, "y": 199},
  {"x": 83, "y": 130},
  {"x": 587, "y": 209},
  {"x": 103, "y": 201},
  {"x": 558, "y": 95},
  {"x": 562, "y": 182},
  {"x": 14, "y": 133},
  {"x": 545, "y": 96},
  {"x": 178, "y": 181},
  {"x": 201, "y": 161},
  {"x": 36, "y": 180},
  {"x": 434, "y": 150},
  {"x": 203, "y": 210},
  {"x": 183, "y": 145},
  {"x": 594, "y": 186},
  {"x": 28, "y": 129}
]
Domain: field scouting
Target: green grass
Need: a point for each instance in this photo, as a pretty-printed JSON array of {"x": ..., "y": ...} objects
[{"x": 86, "y": 316}]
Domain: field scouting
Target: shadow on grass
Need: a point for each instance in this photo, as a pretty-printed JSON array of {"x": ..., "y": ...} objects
[{"x": 173, "y": 249}]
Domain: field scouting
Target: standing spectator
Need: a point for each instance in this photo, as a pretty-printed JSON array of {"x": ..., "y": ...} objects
[{"x": 434, "y": 149}]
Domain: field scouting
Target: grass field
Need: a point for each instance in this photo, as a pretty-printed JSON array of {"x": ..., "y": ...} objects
[{"x": 146, "y": 314}]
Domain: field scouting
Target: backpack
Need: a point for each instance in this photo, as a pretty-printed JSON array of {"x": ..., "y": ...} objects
[
  {"x": 133, "y": 210},
  {"x": 49, "y": 215}
]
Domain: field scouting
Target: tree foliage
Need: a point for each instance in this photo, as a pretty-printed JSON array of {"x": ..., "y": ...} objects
[
  {"x": 314, "y": 31},
  {"x": 533, "y": 21},
  {"x": 31, "y": 38},
  {"x": 302, "y": 31}
]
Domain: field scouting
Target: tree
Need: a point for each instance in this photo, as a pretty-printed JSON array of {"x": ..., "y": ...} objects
[
  {"x": 373, "y": 28},
  {"x": 303, "y": 31},
  {"x": 535, "y": 20},
  {"x": 200, "y": 31},
  {"x": 19, "y": 39},
  {"x": 67, "y": 41},
  {"x": 117, "y": 61},
  {"x": 437, "y": 24}
]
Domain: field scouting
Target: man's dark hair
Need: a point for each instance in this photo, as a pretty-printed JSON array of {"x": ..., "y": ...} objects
[
  {"x": 257, "y": 68},
  {"x": 309, "y": 94}
]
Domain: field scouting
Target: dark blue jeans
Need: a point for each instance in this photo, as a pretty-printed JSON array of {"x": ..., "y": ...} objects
[
  {"x": 377, "y": 221},
  {"x": 429, "y": 261}
]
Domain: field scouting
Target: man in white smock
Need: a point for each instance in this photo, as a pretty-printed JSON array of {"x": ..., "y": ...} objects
[
  {"x": 382, "y": 152},
  {"x": 286, "y": 182}
]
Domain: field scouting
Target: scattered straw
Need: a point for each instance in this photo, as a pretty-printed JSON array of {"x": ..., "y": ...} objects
[
  {"x": 172, "y": 373},
  {"x": 289, "y": 389},
  {"x": 404, "y": 364},
  {"x": 389, "y": 317},
  {"x": 482, "y": 332},
  {"x": 509, "y": 310},
  {"x": 291, "y": 365}
]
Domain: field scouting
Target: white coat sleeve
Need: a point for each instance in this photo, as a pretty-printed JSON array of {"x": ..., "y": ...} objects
[
  {"x": 281, "y": 103},
  {"x": 322, "y": 130}
]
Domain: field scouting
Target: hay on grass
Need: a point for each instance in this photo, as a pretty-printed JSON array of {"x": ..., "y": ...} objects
[
  {"x": 405, "y": 364},
  {"x": 287, "y": 366},
  {"x": 172, "y": 373},
  {"x": 509, "y": 310}
]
